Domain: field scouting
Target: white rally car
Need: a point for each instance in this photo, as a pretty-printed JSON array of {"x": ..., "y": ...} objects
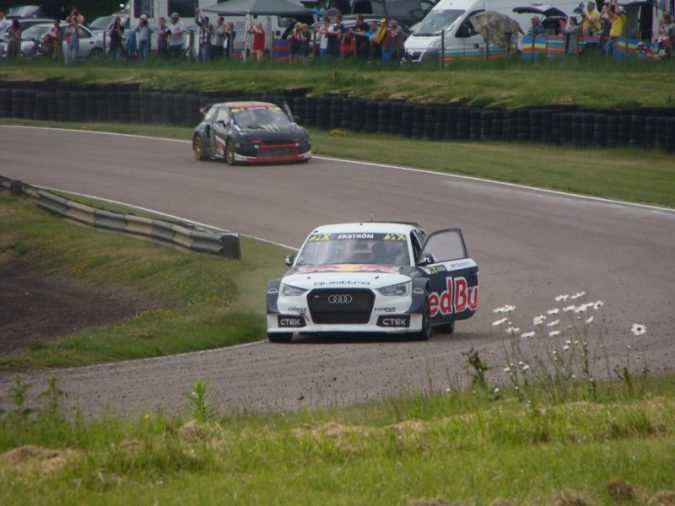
[{"x": 374, "y": 277}]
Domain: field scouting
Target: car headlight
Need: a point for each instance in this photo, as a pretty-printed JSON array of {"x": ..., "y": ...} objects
[
  {"x": 291, "y": 290},
  {"x": 398, "y": 290}
]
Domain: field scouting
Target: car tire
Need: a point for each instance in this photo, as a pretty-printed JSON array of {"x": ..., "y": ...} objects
[
  {"x": 198, "y": 148},
  {"x": 280, "y": 337},
  {"x": 424, "y": 334},
  {"x": 229, "y": 152},
  {"x": 97, "y": 52},
  {"x": 446, "y": 328}
]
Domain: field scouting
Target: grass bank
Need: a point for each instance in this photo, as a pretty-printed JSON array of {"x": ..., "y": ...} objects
[
  {"x": 198, "y": 301},
  {"x": 429, "y": 449},
  {"x": 590, "y": 80},
  {"x": 628, "y": 174}
]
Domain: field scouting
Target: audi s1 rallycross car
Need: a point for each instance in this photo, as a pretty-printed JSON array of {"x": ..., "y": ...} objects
[
  {"x": 374, "y": 278},
  {"x": 250, "y": 132}
]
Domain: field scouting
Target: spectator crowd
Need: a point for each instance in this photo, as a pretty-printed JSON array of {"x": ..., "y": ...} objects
[{"x": 366, "y": 40}]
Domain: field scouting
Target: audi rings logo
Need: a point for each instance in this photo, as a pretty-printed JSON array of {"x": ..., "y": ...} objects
[{"x": 339, "y": 299}]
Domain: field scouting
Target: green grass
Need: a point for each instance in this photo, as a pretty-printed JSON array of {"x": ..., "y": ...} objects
[
  {"x": 455, "y": 448},
  {"x": 628, "y": 174},
  {"x": 591, "y": 80},
  {"x": 199, "y": 301}
]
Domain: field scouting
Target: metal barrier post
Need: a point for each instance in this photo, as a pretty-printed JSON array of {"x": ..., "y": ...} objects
[{"x": 442, "y": 55}]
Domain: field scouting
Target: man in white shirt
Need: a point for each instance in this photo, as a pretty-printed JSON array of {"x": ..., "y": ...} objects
[{"x": 177, "y": 31}]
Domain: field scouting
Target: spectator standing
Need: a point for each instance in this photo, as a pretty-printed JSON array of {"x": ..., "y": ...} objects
[
  {"x": 143, "y": 34},
  {"x": 536, "y": 28},
  {"x": 228, "y": 43},
  {"x": 52, "y": 41},
  {"x": 296, "y": 42},
  {"x": 13, "y": 39},
  {"x": 176, "y": 35},
  {"x": 398, "y": 41},
  {"x": 616, "y": 15},
  {"x": 258, "y": 46},
  {"x": 591, "y": 20},
  {"x": 162, "y": 38},
  {"x": 361, "y": 40},
  {"x": 116, "y": 33},
  {"x": 217, "y": 39},
  {"x": 204, "y": 35},
  {"x": 335, "y": 34},
  {"x": 4, "y": 23},
  {"x": 76, "y": 15},
  {"x": 323, "y": 34},
  {"x": 571, "y": 32},
  {"x": 383, "y": 39},
  {"x": 72, "y": 35}
]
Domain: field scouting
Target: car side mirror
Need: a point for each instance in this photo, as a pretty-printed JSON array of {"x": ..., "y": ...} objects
[
  {"x": 426, "y": 260},
  {"x": 289, "y": 260}
]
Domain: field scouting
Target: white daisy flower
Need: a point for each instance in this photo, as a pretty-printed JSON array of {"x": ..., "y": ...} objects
[
  {"x": 568, "y": 342},
  {"x": 580, "y": 309},
  {"x": 527, "y": 335},
  {"x": 507, "y": 369},
  {"x": 538, "y": 320},
  {"x": 511, "y": 330},
  {"x": 554, "y": 333},
  {"x": 499, "y": 322},
  {"x": 553, "y": 323},
  {"x": 561, "y": 298},
  {"x": 638, "y": 329},
  {"x": 577, "y": 295},
  {"x": 589, "y": 320},
  {"x": 566, "y": 348},
  {"x": 553, "y": 311},
  {"x": 598, "y": 304},
  {"x": 567, "y": 309},
  {"x": 525, "y": 367}
]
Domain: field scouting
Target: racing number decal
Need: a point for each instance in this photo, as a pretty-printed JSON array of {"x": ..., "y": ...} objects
[
  {"x": 319, "y": 237},
  {"x": 456, "y": 297},
  {"x": 395, "y": 237}
]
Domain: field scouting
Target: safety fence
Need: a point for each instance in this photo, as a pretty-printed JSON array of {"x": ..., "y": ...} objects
[
  {"x": 644, "y": 127},
  {"x": 177, "y": 233}
]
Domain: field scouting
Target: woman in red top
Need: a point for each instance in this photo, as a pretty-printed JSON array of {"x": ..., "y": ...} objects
[{"x": 258, "y": 47}]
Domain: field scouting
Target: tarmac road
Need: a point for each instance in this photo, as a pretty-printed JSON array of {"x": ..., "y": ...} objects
[{"x": 530, "y": 246}]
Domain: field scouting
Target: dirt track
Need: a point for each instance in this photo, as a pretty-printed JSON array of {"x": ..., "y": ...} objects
[{"x": 530, "y": 246}]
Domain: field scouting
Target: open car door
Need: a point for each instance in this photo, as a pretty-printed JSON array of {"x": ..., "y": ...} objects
[{"x": 453, "y": 277}]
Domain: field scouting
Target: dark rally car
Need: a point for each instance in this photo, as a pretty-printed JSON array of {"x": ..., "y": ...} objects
[{"x": 250, "y": 132}]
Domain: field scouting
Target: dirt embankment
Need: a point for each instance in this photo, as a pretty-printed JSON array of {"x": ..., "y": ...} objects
[{"x": 35, "y": 308}]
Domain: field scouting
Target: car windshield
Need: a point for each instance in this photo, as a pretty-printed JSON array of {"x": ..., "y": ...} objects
[
  {"x": 35, "y": 32},
  {"x": 101, "y": 23},
  {"x": 437, "y": 20},
  {"x": 22, "y": 11},
  {"x": 260, "y": 117},
  {"x": 355, "y": 248}
]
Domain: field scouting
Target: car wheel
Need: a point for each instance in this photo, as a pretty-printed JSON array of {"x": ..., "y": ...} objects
[
  {"x": 97, "y": 52},
  {"x": 198, "y": 148},
  {"x": 446, "y": 328},
  {"x": 425, "y": 332},
  {"x": 280, "y": 337},
  {"x": 229, "y": 152}
]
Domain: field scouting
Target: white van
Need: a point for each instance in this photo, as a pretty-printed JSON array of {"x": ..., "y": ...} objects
[{"x": 461, "y": 40}]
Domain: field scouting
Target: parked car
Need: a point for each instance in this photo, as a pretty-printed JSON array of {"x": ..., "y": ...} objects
[
  {"x": 91, "y": 44},
  {"x": 250, "y": 132},
  {"x": 103, "y": 23},
  {"x": 25, "y": 11},
  {"x": 374, "y": 278}
]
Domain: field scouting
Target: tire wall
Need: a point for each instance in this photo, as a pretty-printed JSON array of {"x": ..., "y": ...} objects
[{"x": 641, "y": 127}]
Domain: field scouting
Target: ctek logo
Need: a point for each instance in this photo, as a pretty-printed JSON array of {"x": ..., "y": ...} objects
[
  {"x": 457, "y": 297},
  {"x": 394, "y": 321},
  {"x": 291, "y": 321}
]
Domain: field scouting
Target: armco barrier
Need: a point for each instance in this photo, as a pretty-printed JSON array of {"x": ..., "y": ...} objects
[
  {"x": 216, "y": 241},
  {"x": 647, "y": 128}
]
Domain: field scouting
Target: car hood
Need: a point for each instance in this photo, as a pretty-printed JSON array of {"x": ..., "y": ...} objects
[
  {"x": 346, "y": 276},
  {"x": 269, "y": 133}
]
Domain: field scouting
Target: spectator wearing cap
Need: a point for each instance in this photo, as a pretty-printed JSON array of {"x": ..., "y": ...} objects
[
  {"x": 591, "y": 20},
  {"x": 617, "y": 16},
  {"x": 143, "y": 33},
  {"x": 205, "y": 28},
  {"x": 176, "y": 35}
]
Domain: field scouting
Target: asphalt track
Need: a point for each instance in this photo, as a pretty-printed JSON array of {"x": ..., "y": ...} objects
[{"x": 530, "y": 245}]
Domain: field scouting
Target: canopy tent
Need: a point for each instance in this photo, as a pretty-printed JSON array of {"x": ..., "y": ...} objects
[
  {"x": 248, "y": 8},
  {"x": 285, "y": 8}
]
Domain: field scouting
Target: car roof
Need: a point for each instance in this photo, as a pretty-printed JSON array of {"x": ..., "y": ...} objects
[
  {"x": 246, "y": 104},
  {"x": 379, "y": 227}
]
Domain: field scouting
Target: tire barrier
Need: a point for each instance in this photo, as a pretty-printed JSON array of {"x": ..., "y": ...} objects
[
  {"x": 640, "y": 127},
  {"x": 177, "y": 233}
]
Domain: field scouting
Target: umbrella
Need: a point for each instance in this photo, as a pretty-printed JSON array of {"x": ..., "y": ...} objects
[{"x": 497, "y": 28}]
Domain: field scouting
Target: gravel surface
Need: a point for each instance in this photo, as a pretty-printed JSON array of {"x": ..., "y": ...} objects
[{"x": 530, "y": 246}]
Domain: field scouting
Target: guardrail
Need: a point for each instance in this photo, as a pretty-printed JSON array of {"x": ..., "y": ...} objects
[{"x": 177, "y": 233}]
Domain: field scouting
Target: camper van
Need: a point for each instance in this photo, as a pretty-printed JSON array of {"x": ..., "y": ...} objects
[{"x": 461, "y": 39}]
